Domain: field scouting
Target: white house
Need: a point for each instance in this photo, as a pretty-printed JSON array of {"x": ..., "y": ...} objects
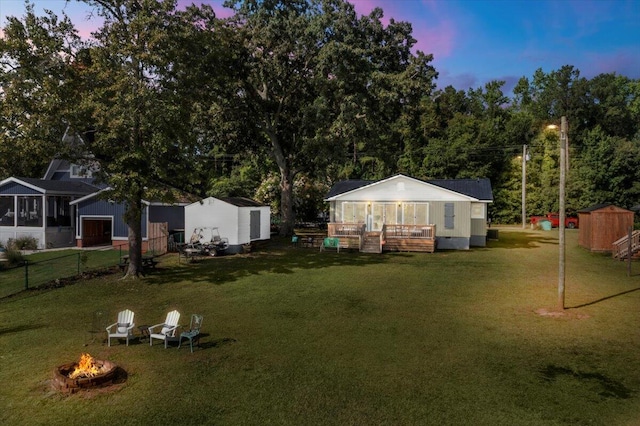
[
  {"x": 239, "y": 220},
  {"x": 454, "y": 209}
]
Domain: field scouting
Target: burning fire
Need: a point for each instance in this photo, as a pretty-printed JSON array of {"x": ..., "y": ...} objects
[{"x": 85, "y": 368}]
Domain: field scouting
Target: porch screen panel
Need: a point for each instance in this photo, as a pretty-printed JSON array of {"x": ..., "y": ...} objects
[
  {"x": 354, "y": 212},
  {"x": 7, "y": 211},
  {"x": 422, "y": 214},
  {"x": 58, "y": 211},
  {"x": 415, "y": 214},
  {"x": 30, "y": 211},
  {"x": 386, "y": 213}
]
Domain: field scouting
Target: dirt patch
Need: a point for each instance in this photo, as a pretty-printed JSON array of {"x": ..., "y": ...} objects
[{"x": 555, "y": 313}]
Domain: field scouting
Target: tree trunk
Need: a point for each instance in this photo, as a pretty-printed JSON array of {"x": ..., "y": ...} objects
[
  {"x": 286, "y": 203},
  {"x": 133, "y": 218}
]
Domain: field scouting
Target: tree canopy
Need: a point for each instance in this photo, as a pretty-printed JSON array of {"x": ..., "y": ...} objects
[{"x": 284, "y": 98}]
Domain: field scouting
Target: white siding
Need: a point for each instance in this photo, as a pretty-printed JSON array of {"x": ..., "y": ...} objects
[{"x": 232, "y": 222}]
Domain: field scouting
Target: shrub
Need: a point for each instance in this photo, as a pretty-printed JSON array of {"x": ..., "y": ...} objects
[
  {"x": 23, "y": 243},
  {"x": 14, "y": 258}
]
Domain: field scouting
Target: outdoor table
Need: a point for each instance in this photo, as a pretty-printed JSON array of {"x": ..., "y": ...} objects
[{"x": 144, "y": 332}]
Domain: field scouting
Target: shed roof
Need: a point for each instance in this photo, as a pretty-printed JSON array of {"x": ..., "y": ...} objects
[
  {"x": 241, "y": 202},
  {"x": 477, "y": 188},
  {"x": 596, "y": 207}
]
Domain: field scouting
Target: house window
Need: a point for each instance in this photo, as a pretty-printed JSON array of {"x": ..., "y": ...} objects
[
  {"x": 30, "y": 211},
  {"x": 79, "y": 171},
  {"x": 7, "y": 211},
  {"x": 449, "y": 215},
  {"x": 477, "y": 211}
]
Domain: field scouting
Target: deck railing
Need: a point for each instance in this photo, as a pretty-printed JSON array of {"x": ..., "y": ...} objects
[
  {"x": 409, "y": 231},
  {"x": 345, "y": 229},
  {"x": 621, "y": 246}
]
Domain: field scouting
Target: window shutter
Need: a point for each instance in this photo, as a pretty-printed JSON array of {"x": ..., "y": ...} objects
[{"x": 448, "y": 215}]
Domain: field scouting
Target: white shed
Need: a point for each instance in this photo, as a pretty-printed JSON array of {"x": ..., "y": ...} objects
[{"x": 240, "y": 220}]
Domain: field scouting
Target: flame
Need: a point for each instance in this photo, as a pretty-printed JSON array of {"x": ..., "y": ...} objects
[{"x": 85, "y": 368}]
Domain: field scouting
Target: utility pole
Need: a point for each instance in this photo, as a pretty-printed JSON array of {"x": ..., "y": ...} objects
[
  {"x": 524, "y": 186},
  {"x": 563, "y": 178}
]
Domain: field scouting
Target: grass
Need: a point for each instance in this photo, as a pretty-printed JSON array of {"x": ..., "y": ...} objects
[
  {"x": 293, "y": 336},
  {"x": 45, "y": 266}
]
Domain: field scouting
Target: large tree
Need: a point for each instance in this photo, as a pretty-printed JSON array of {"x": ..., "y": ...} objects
[
  {"x": 146, "y": 84},
  {"x": 35, "y": 54},
  {"x": 136, "y": 95},
  {"x": 320, "y": 85}
]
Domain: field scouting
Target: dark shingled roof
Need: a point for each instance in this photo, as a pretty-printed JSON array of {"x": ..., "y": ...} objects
[
  {"x": 476, "y": 188},
  {"x": 594, "y": 208},
  {"x": 346, "y": 186},
  {"x": 62, "y": 186},
  {"x": 241, "y": 202}
]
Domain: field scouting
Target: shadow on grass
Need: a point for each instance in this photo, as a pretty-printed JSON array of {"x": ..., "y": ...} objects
[
  {"x": 604, "y": 298},
  {"x": 227, "y": 269},
  {"x": 20, "y": 328},
  {"x": 519, "y": 240},
  {"x": 604, "y": 386}
]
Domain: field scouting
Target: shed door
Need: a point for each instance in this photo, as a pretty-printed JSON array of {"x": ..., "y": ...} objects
[{"x": 254, "y": 225}]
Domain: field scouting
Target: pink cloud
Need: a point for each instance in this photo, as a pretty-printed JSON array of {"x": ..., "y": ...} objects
[{"x": 439, "y": 40}]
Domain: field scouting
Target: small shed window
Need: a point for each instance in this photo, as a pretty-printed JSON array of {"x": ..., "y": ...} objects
[{"x": 448, "y": 215}]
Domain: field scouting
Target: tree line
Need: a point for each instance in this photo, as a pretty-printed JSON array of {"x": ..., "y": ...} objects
[{"x": 284, "y": 98}]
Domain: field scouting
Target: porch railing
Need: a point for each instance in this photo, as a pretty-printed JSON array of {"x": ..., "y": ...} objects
[
  {"x": 345, "y": 229},
  {"x": 410, "y": 231},
  {"x": 621, "y": 246}
]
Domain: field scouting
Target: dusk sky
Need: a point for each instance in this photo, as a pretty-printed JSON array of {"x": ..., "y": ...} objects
[{"x": 476, "y": 41}]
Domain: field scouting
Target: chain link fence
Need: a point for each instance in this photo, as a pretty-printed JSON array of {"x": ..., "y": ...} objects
[{"x": 54, "y": 270}]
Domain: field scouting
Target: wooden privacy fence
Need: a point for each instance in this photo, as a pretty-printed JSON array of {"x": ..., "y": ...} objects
[{"x": 158, "y": 237}]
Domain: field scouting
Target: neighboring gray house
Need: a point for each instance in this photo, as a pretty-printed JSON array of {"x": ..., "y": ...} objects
[{"x": 453, "y": 211}]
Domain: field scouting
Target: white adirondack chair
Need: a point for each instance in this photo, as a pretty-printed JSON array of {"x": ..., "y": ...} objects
[
  {"x": 167, "y": 329},
  {"x": 123, "y": 328}
]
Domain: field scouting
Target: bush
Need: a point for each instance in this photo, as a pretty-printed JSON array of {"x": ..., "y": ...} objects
[
  {"x": 23, "y": 243},
  {"x": 14, "y": 258}
]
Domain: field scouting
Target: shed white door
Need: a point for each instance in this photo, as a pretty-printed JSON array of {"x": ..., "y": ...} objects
[{"x": 254, "y": 224}]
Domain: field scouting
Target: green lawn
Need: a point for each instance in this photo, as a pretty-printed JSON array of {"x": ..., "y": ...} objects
[{"x": 293, "y": 336}]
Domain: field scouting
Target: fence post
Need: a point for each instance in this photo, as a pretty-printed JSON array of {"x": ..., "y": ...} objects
[{"x": 26, "y": 275}]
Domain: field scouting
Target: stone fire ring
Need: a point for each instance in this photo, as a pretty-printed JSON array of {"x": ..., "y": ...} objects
[{"x": 63, "y": 383}]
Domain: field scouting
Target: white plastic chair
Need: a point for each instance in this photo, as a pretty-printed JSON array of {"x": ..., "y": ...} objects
[
  {"x": 123, "y": 328},
  {"x": 167, "y": 328}
]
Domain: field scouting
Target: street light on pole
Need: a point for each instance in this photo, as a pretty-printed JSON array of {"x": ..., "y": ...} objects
[
  {"x": 562, "y": 208},
  {"x": 525, "y": 158},
  {"x": 563, "y": 178}
]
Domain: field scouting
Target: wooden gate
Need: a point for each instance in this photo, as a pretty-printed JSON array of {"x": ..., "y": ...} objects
[{"x": 158, "y": 237}]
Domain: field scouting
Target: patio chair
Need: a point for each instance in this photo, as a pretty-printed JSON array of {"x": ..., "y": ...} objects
[
  {"x": 167, "y": 328},
  {"x": 194, "y": 331},
  {"x": 123, "y": 328}
]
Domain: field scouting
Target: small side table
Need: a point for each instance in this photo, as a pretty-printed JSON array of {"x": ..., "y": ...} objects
[{"x": 144, "y": 331}]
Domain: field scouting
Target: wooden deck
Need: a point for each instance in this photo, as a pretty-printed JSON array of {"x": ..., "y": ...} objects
[
  {"x": 415, "y": 238},
  {"x": 622, "y": 246}
]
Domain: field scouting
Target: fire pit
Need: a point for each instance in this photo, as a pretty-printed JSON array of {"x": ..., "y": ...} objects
[{"x": 89, "y": 373}]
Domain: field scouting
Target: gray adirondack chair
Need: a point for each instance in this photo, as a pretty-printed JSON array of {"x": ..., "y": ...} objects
[
  {"x": 123, "y": 328},
  {"x": 194, "y": 331}
]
